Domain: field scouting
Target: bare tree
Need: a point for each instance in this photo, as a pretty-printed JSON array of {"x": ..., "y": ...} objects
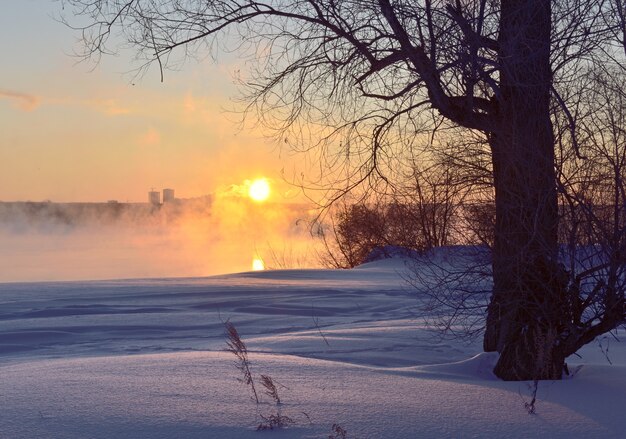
[
  {"x": 429, "y": 203},
  {"x": 376, "y": 77},
  {"x": 593, "y": 193}
]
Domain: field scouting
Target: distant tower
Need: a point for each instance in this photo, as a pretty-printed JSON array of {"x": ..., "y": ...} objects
[
  {"x": 168, "y": 195},
  {"x": 154, "y": 197}
]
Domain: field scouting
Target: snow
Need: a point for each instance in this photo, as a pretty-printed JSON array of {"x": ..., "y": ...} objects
[{"x": 145, "y": 359}]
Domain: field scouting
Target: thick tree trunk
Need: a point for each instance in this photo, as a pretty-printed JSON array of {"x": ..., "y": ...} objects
[{"x": 523, "y": 321}]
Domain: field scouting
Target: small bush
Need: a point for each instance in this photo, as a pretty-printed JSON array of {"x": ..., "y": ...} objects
[
  {"x": 337, "y": 432},
  {"x": 272, "y": 422}
]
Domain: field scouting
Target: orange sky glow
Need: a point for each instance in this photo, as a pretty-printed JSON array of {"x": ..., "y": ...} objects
[{"x": 79, "y": 132}]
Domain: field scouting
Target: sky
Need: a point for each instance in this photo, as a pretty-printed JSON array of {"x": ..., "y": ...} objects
[{"x": 72, "y": 131}]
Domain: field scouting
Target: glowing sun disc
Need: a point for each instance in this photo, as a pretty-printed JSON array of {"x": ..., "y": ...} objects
[{"x": 259, "y": 190}]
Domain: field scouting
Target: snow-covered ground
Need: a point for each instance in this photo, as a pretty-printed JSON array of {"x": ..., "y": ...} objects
[{"x": 146, "y": 359}]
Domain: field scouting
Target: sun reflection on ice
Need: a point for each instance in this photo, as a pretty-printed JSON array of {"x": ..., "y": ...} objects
[{"x": 258, "y": 264}]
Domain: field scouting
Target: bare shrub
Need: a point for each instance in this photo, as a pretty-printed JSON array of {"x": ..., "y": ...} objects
[
  {"x": 357, "y": 230},
  {"x": 419, "y": 212},
  {"x": 454, "y": 285}
]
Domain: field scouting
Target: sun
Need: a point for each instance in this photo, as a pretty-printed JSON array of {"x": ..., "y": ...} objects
[{"x": 259, "y": 190}]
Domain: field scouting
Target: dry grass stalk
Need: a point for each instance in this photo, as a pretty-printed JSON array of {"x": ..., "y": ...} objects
[
  {"x": 531, "y": 406},
  {"x": 237, "y": 347},
  {"x": 270, "y": 388}
]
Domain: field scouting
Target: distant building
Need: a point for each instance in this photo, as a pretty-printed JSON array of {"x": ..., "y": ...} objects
[
  {"x": 154, "y": 198},
  {"x": 168, "y": 195}
]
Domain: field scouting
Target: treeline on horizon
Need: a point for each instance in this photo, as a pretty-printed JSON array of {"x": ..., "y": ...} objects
[
  {"x": 354, "y": 231},
  {"x": 21, "y": 215}
]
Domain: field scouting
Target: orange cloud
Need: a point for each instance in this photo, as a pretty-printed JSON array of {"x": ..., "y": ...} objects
[
  {"x": 22, "y": 101},
  {"x": 111, "y": 107}
]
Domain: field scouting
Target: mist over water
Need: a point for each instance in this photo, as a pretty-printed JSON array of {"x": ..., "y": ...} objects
[{"x": 187, "y": 238}]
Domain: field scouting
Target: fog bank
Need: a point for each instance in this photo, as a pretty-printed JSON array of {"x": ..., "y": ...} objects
[{"x": 186, "y": 238}]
